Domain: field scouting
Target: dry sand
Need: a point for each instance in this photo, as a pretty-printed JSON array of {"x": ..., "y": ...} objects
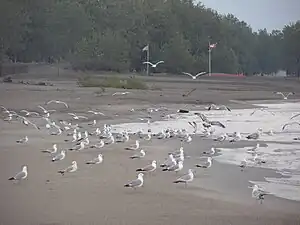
[{"x": 95, "y": 194}]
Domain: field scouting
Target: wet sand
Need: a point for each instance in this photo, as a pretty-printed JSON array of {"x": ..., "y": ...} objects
[{"x": 95, "y": 194}]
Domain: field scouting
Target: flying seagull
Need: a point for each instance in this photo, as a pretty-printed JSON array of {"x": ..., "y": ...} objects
[
  {"x": 195, "y": 77},
  {"x": 137, "y": 182},
  {"x": 70, "y": 169},
  {"x": 295, "y": 116},
  {"x": 285, "y": 97},
  {"x": 57, "y": 102},
  {"x": 21, "y": 175},
  {"x": 289, "y": 124},
  {"x": 96, "y": 113},
  {"x": 153, "y": 65},
  {"x": 75, "y": 117},
  {"x": 121, "y": 93},
  {"x": 45, "y": 110},
  {"x": 194, "y": 125},
  {"x": 28, "y": 113},
  {"x": 187, "y": 178},
  {"x": 261, "y": 109}
]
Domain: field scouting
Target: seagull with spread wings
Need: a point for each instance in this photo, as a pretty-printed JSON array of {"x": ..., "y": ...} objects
[
  {"x": 285, "y": 97},
  {"x": 75, "y": 117},
  {"x": 155, "y": 64},
  {"x": 194, "y": 77},
  {"x": 57, "y": 102}
]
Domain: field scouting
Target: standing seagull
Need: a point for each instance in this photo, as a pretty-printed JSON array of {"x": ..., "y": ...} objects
[
  {"x": 135, "y": 146},
  {"x": 23, "y": 140},
  {"x": 137, "y": 182},
  {"x": 140, "y": 155},
  {"x": 153, "y": 65},
  {"x": 187, "y": 178},
  {"x": 58, "y": 102},
  {"x": 97, "y": 160},
  {"x": 194, "y": 77},
  {"x": 59, "y": 156},
  {"x": 21, "y": 175},
  {"x": 69, "y": 169},
  {"x": 148, "y": 168},
  {"x": 285, "y": 97},
  {"x": 258, "y": 193},
  {"x": 206, "y": 164}
]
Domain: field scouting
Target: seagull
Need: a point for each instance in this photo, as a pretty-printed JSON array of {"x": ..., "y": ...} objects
[
  {"x": 153, "y": 65},
  {"x": 137, "y": 182},
  {"x": 28, "y": 113},
  {"x": 221, "y": 107},
  {"x": 45, "y": 111},
  {"x": 295, "y": 116},
  {"x": 251, "y": 150},
  {"x": 195, "y": 77},
  {"x": 75, "y": 117},
  {"x": 261, "y": 109},
  {"x": 69, "y": 169},
  {"x": 211, "y": 152},
  {"x": 121, "y": 93},
  {"x": 96, "y": 113},
  {"x": 93, "y": 123},
  {"x": 243, "y": 164},
  {"x": 97, "y": 160},
  {"x": 135, "y": 146},
  {"x": 53, "y": 151},
  {"x": 58, "y": 102},
  {"x": 236, "y": 137},
  {"x": 254, "y": 136},
  {"x": 206, "y": 164},
  {"x": 176, "y": 168},
  {"x": 98, "y": 145},
  {"x": 140, "y": 155},
  {"x": 169, "y": 162},
  {"x": 221, "y": 138},
  {"x": 194, "y": 125},
  {"x": 26, "y": 122},
  {"x": 289, "y": 124},
  {"x": 21, "y": 175},
  {"x": 78, "y": 147},
  {"x": 285, "y": 97},
  {"x": 258, "y": 193},
  {"x": 23, "y": 140},
  {"x": 187, "y": 178},
  {"x": 148, "y": 168},
  {"x": 59, "y": 156}
]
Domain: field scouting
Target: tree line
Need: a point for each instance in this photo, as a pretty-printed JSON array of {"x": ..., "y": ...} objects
[{"x": 110, "y": 35}]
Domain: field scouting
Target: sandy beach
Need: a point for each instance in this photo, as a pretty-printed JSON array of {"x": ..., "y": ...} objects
[{"x": 95, "y": 193}]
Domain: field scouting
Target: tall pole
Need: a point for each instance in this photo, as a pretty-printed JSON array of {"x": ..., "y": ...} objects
[
  {"x": 148, "y": 58},
  {"x": 209, "y": 59}
]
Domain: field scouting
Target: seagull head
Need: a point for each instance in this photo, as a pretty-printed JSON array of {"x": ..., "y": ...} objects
[
  {"x": 74, "y": 163},
  {"x": 100, "y": 156},
  {"x": 24, "y": 168},
  {"x": 143, "y": 152},
  {"x": 153, "y": 163},
  {"x": 257, "y": 145},
  {"x": 140, "y": 176},
  {"x": 190, "y": 171}
]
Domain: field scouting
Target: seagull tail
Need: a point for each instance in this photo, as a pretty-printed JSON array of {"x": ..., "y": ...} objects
[
  {"x": 12, "y": 178},
  {"x": 165, "y": 169},
  {"x": 61, "y": 172},
  {"x": 140, "y": 169},
  {"x": 126, "y": 185},
  {"x": 133, "y": 157},
  {"x": 200, "y": 166},
  {"x": 163, "y": 165},
  {"x": 45, "y": 151},
  {"x": 177, "y": 181}
]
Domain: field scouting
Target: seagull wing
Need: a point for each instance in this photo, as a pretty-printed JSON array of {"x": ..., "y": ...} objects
[
  {"x": 188, "y": 74},
  {"x": 72, "y": 114},
  {"x": 20, "y": 175},
  {"x": 288, "y": 124},
  {"x": 50, "y": 102},
  {"x": 135, "y": 183},
  {"x": 200, "y": 74},
  {"x": 295, "y": 116},
  {"x": 83, "y": 117},
  {"x": 159, "y": 62},
  {"x": 63, "y": 103},
  {"x": 290, "y": 93},
  {"x": 41, "y": 107},
  {"x": 217, "y": 123},
  {"x": 184, "y": 178},
  {"x": 148, "y": 63}
]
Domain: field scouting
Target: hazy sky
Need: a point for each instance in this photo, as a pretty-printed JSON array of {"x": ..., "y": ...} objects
[{"x": 270, "y": 14}]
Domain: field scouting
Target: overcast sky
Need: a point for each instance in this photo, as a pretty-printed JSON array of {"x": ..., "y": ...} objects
[{"x": 270, "y": 14}]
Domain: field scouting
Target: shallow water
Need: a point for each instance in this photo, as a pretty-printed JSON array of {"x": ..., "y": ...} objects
[{"x": 282, "y": 153}]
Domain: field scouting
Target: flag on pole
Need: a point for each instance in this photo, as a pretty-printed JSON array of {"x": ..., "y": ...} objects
[
  {"x": 212, "y": 46},
  {"x": 146, "y": 48}
]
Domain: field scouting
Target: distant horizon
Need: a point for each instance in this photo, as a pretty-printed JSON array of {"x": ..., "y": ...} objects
[{"x": 259, "y": 14}]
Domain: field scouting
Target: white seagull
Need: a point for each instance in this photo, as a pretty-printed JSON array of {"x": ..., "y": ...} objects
[
  {"x": 70, "y": 169},
  {"x": 176, "y": 168},
  {"x": 154, "y": 65},
  {"x": 57, "y": 102},
  {"x": 187, "y": 178},
  {"x": 23, "y": 140},
  {"x": 285, "y": 97},
  {"x": 140, "y": 155},
  {"x": 75, "y": 117},
  {"x": 45, "y": 111},
  {"x": 194, "y": 77},
  {"x": 96, "y": 113},
  {"x": 100, "y": 144},
  {"x": 258, "y": 193},
  {"x": 97, "y": 160},
  {"x": 52, "y": 151},
  {"x": 59, "y": 156},
  {"x": 137, "y": 182},
  {"x": 206, "y": 164},
  {"x": 21, "y": 175},
  {"x": 169, "y": 162},
  {"x": 135, "y": 146},
  {"x": 243, "y": 164},
  {"x": 148, "y": 168},
  {"x": 121, "y": 93}
]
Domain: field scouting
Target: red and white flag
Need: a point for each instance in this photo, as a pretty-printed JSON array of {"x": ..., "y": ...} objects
[{"x": 212, "y": 45}]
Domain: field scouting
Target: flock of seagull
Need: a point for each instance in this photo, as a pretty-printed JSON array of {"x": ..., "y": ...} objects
[{"x": 173, "y": 163}]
